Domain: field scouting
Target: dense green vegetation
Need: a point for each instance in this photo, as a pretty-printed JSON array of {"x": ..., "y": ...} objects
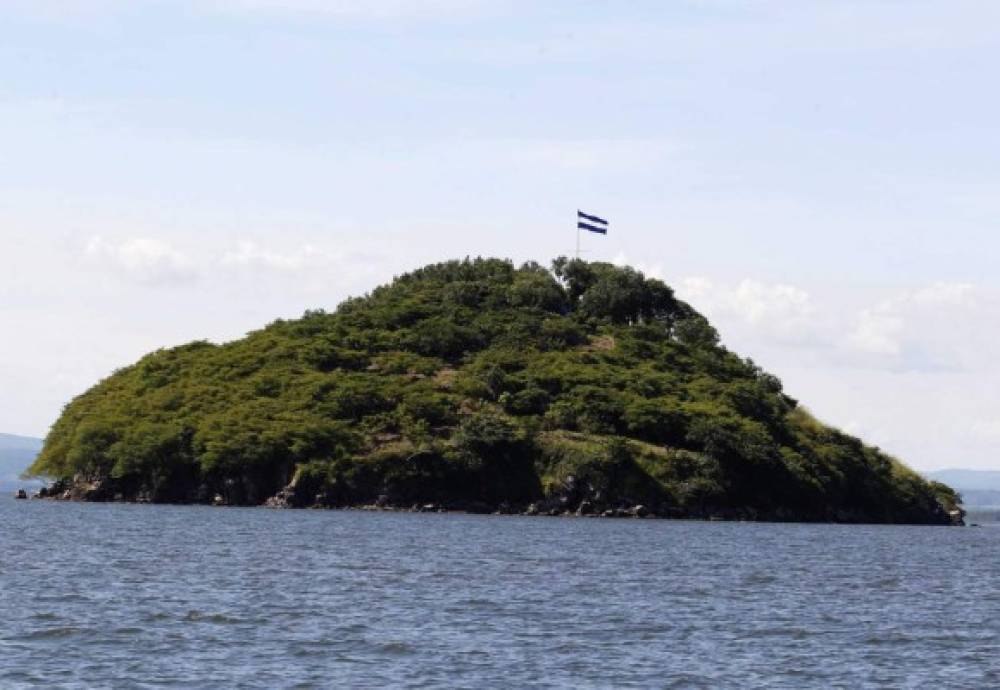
[{"x": 478, "y": 385}]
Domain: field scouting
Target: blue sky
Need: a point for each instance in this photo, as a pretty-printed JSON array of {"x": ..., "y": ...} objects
[{"x": 819, "y": 177}]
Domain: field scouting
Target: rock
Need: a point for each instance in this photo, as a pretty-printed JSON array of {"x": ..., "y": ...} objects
[
  {"x": 21, "y": 495},
  {"x": 569, "y": 492},
  {"x": 279, "y": 500},
  {"x": 288, "y": 497},
  {"x": 218, "y": 500},
  {"x": 638, "y": 511},
  {"x": 532, "y": 509},
  {"x": 586, "y": 508}
]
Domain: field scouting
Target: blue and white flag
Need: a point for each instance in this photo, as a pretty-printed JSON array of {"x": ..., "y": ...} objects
[{"x": 585, "y": 221}]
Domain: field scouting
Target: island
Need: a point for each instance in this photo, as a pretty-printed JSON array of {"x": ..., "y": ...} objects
[{"x": 476, "y": 385}]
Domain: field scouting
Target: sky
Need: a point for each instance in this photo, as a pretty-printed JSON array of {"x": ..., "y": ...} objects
[{"x": 818, "y": 177}]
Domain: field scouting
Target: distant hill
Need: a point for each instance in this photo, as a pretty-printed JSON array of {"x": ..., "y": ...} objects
[
  {"x": 963, "y": 480},
  {"x": 16, "y": 455},
  {"x": 477, "y": 385},
  {"x": 980, "y": 489}
]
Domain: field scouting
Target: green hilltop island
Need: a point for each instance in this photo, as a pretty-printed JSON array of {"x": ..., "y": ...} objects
[{"x": 477, "y": 386}]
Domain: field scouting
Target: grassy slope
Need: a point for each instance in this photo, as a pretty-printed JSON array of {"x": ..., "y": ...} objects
[{"x": 476, "y": 384}]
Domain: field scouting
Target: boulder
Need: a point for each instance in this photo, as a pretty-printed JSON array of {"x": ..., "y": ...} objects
[
  {"x": 638, "y": 511},
  {"x": 282, "y": 499}
]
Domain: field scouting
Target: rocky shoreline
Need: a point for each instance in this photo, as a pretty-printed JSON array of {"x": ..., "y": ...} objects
[{"x": 565, "y": 504}]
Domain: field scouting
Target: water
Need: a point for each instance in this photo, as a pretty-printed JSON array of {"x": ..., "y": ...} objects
[{"x": 163, "y": 596}]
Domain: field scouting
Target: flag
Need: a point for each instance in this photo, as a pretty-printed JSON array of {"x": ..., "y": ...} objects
[{"x": 585, "y": 221}]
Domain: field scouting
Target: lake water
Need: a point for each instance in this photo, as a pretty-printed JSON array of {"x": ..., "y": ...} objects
[{"x": 172, "y": 596}]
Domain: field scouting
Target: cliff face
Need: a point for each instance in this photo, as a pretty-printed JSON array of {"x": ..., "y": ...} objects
[{"x": 479, "y": 386}]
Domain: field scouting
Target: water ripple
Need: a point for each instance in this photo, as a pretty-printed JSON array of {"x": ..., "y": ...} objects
[{"x": 177, "y": 597}]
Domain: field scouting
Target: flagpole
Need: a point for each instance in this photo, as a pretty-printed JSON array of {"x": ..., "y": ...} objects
[{"x": 577, "y": 241}]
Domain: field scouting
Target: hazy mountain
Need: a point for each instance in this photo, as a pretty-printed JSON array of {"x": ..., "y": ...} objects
[
  {"x": 980, "y": 489},
  {"x": 16, "y": 454},
  {"x": 965, "y": 480}
]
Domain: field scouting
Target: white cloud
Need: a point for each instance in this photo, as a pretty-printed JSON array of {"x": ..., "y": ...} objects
[
  {"x": 941, "y": 326},
  {"x": 943, "y": 294},
  {"x": 777, "y": 302},
  {"x": 877, "y": 332},
  {"x": 250, "y": 254},
  {"x": 914, "y": 321},
  {"x": 647, "y": 269},
  {"x": 294, "y": 267},
  {"x": 306, "y": 268},
  {"x": 778, "y": 311},
  {"x": 142, "y": 259}
]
